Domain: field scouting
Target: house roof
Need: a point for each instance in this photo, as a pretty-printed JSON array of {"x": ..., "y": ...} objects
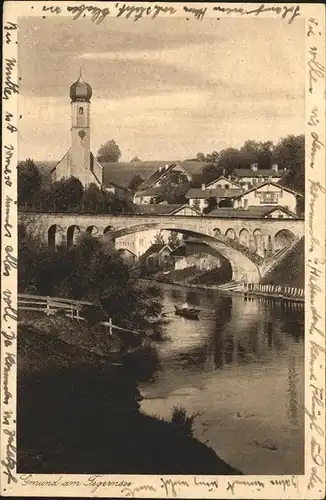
[
  {"x": 198, "y": 193},
  {"x": 190, "y": 167},
  {"x": 261, "y": 172},
  {"x": 221, "y": 177},
  {"x": 194, "y": 247},
  {"x": 155, "y": 248},
  {"x": 157, "y": 209},
  {"x": 275, "y": 184},
  {"x": 251, "y": 211},
  {"x": 151, "y": 191},
  {"x": 123, "y": 173},
  {"x": 162, "y": 209}
]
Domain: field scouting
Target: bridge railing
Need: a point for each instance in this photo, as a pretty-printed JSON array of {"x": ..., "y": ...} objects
[
  {"x": 275, "y": 290},
  {"x": 69, "y": 307}
]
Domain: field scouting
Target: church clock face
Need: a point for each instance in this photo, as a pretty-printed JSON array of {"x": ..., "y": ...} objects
[{"x": 82, "y": 133}]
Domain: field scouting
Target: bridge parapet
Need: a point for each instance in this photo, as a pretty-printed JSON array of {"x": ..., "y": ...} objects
[{"x": 244, "y": 242}]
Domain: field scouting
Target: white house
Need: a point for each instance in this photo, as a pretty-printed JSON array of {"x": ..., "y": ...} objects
[
  {"x": 222, "y": 183},
  {"x": 248, "y": 177},
  {"x": 268, "y": 194},
  {"x": 147, "y": 196},
  {"x": 198, "y": 198}
]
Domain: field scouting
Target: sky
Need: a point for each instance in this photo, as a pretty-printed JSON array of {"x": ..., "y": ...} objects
[{"x": 167, "y": 88}]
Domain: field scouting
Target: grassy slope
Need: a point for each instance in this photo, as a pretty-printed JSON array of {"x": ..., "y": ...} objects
[
  {"x": 78, "y": 413},
  {"x": 290, "y": 271}
]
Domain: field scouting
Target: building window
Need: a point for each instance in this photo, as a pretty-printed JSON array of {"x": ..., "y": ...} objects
[
  {"x": 227, "y": 186},
  {"x": 81, "y": 111},
  {"x": 269, "y": 197}
]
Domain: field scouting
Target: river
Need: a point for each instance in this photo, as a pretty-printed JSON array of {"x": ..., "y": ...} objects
[{"x": 242, "y": 367}]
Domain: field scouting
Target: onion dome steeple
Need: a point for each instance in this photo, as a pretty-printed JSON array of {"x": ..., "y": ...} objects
[{"x": 80, "y": 90}]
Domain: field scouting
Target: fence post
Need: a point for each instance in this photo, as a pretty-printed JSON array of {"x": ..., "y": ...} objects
[
  {"x": 48, "y": 306},
  {"x": 77, "y": 311},
  {"x": 72, "y": 310},
  {"x": 110, "y": 327}
]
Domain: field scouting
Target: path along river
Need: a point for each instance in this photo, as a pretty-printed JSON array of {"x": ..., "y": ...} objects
[{"x": 242, "y": 367}]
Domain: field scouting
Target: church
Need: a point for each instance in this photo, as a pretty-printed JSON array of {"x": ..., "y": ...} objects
[{"x": 79, "y": 161}]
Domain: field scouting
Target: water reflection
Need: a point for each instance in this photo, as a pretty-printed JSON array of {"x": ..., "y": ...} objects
[
  {"x": 245, "y": 355},
  {"x": 231, "y": 330}
]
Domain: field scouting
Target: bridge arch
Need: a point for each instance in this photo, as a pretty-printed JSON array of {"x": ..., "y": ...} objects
[
  {"x": 108, "y": 229},
  {"x": 92, "y": 230},
  {"x": 283, "y": 238},
  {"x": 244, "y": 237},
  {"x": 72, "y": 235},
  {"x": 230, "y": 233},
  {"x": 258, "y": 241},
  {"x": 243, "y": 267},
  {"x": 55, "y": 236}
]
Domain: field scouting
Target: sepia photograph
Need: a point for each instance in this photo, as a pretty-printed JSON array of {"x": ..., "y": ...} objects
[{"x": 161, "y": 244}]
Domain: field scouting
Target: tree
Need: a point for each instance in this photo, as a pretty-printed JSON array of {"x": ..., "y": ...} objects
[
  {"x": 213, "y": 157},
  {"x": 29, "y": 181},
  {"x": 91, "y": 270},
  {"x": 63, "y": 195},
  {"x": 259, "y": 152},
  {"x": 211, "y": 205},
  {"x": 231, "y": 159},
  {"x": 136, "y": 181},
  {"x": 73, "y": 192},
  {"x": 174, "y": 187},
  {"x": 109, "y": 152},
  {"x": 93, "y": 199},
  {"x": 289, "y": 153},
  {"x": 158, "y": 239},
  {"x": 174, "y": 241},
  {"x": 135, "y": 158},
  {"x": 200, "y": 157}
]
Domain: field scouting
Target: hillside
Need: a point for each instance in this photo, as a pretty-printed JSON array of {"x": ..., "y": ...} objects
[
  {"x": 79, "y": 413},
  {"x": 290, "y": 271}
]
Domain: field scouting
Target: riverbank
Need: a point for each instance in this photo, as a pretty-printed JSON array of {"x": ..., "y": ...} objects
[{"x": 78, "y": 412}]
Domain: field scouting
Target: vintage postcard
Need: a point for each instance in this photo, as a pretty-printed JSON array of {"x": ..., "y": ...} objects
[{"x": 163, "y": 250}]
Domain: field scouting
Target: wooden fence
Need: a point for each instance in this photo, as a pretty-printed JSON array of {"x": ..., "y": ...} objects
[
  {"x": 69, "y": 307},
  {"x": 281, "y": 291}
]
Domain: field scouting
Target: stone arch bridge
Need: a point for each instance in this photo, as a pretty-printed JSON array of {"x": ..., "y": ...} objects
[{"x": 251, "y": 245}]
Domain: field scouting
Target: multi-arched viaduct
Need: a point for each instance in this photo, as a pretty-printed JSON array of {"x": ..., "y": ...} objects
[{"x": 242, "y": 241}]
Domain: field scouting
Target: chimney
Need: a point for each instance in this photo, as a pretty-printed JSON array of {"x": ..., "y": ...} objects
[
  {"x": 203, "y": 187},
  {"x": 254, "y": 167},
  {"x": 223, "y": 171},
  {"x": 275, "y": 167}
]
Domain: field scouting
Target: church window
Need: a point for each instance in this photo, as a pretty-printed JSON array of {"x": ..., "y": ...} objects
[{"x": 81, "y": 111}]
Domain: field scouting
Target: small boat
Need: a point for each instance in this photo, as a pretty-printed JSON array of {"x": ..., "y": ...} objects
[{"x": 187, "y": 312}]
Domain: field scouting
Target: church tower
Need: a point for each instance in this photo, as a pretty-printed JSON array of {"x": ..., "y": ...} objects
[
  {"x": 80, "y": 95},
  {"x": 78, "y": 161}
]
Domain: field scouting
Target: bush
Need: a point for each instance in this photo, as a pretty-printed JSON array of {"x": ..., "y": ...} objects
[{"x": 180, "y": 418}]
